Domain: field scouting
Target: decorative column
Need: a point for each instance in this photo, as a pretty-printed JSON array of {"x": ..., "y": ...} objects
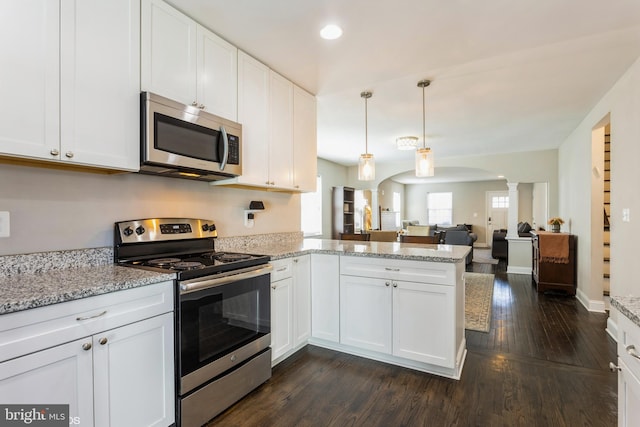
[{"x": 512, "y": 219}]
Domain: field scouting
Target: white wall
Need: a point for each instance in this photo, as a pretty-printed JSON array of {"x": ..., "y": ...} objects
[
  {"x": 58, "y": 210},
  {"x": 622, "y": 102}
]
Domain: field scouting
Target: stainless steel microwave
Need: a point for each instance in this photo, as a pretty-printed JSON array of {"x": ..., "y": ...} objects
[{"x": 183, "y": 141}]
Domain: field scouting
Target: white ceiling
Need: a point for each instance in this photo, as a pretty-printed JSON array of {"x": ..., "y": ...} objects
[{"x": 506, "y": 75}]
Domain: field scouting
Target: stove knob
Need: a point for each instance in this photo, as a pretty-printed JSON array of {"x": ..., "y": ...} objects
[
  {"x": 140, "y": 230},
  {"x": 212, "y": 227},
  {"x": 127, "y": 231},
  {"x": 205, "y": 227}
]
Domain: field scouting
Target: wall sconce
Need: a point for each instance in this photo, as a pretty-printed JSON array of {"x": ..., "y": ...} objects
[{"x": 254, "y": 206}]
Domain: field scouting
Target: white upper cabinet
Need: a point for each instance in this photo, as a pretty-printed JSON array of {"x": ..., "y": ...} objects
[
  {"x": 168, "y": 52},
  {"x": 253, "y": 114},
  {"x": 305, "y": 148},
  {"x": 184, "y": 61},
  {"x": 217, "y": 72},
  {"x": 278, "y": 130},
  {"x": 281, "y": 131},
  {"x": 30, "y": 76},
  {"x": 100, "y": 67},
  {"x": 71, "y": 82}
]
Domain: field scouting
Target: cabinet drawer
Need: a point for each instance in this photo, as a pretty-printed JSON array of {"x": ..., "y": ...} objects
[
  {"x": 629, "y": 343},
  {"x": 31, "y": 330},
  {"x": 411, "y": 271},
  {"x": 282, "y": 269}
]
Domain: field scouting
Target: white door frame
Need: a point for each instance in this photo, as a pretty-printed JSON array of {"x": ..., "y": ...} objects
[{"x": 488, "y": 209}]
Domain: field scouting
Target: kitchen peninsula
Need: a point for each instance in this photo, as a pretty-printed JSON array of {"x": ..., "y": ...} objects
[{"x": 394, "y": 302}]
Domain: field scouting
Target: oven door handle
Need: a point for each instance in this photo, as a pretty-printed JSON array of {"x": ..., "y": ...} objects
[{"x": 248, "y": 273}]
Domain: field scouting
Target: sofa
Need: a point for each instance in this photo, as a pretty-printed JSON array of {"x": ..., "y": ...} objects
[
  {"x": 450, "y": 235},
  {"x": 499, "y": 243}
]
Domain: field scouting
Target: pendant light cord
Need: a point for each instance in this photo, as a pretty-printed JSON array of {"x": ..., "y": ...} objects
[
  {"x": 366, "y": 95},
  {"x": 423, "y": 84}
]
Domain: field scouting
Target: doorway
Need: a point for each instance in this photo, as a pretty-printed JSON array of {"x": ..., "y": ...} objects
[{"x": 497, "y": 204}]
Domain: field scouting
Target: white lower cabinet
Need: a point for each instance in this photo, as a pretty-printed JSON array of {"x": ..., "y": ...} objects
[
  {"x": 325, "y": 297},
  {"x": 628, "y": 372},
  {"x": 406, "y": 312},
  {"x": 120, "y": 376},
  {"x": 290, "y": 306}
]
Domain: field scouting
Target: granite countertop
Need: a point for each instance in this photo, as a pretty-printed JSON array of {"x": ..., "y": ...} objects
[
  {"x": 30, "y": 290},
  {"x": 40, "y": 279},
  {"x": 391, "y": 250},
  {"x": 629, "y": 306}
]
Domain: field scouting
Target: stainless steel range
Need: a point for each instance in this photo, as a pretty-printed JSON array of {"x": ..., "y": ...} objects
[{"x": 223, "y": 310}]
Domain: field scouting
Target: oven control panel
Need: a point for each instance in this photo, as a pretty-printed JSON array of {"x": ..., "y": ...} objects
[{"x": 161, "y": 229}]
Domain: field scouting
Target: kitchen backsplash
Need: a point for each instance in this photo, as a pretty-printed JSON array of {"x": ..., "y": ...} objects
[{"x": 41, "y": 262}]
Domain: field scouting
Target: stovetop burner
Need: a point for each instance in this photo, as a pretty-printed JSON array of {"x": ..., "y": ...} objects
[
  {"x": 186, "y": 265},
  {"x": 178, "y": 245},
  {"x": 163, "y": 262}
]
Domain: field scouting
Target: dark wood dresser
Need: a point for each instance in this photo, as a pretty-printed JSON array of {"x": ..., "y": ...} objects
[{"x": 554, "y": 274}]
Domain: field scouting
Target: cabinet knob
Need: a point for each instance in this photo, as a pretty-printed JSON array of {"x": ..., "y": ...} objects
[
  {"x": 395, "y": 285},
  {"x": 194, "y": 104},
  {"x": 54, "y": 152},
  {"x": 613, "y": 367},
  {"x": 201, "y": 106},
  {"x": 103, "y": 341},
  {"x": 273, "y": 287},
  {"x": 86, "y": 346},
  {"x": 387, "y": 284},
  {"x": 69, "y": 154}
]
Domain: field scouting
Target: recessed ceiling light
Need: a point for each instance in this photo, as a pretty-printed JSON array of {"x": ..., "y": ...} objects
[{"x": 331, "y": 32}]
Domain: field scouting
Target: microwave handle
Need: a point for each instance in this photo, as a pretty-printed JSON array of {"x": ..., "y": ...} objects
[{"x": 225, "y": 155}]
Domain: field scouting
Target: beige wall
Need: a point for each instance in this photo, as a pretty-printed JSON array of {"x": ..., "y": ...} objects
[
  {"x": 57, "y": 210},
  {"x": 575, "y": 166},
  {"x": 468, "y": 202},
  {"x": 385, "y": 195},
  {"x": 333, "y": 175}
]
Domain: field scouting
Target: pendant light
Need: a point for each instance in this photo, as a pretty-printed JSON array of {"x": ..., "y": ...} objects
[
  {"x": 424, "y": 155},
  {"x": 366, "y": 164}
]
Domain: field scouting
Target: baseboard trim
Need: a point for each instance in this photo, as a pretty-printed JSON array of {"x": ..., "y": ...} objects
[
  {"x": 597, "y": 306},
  {"x": 514, "y": 269}
]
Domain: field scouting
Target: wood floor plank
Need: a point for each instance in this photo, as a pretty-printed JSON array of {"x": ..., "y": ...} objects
[{"x": 544, "y": 362}]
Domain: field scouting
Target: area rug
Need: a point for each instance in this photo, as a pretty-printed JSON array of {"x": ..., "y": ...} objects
[
  {"x": 483, "y": 256},
  {"x": 478, "y": 295}
]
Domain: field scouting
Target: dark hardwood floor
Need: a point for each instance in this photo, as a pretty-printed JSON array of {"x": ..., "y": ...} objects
[{"x": 543, "y": 363}]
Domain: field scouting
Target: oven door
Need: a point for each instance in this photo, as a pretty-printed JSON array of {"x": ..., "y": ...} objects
[{"x": 222, "y": 322}]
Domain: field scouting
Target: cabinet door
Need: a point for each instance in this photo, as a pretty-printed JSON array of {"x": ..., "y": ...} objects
[
  {"x": 100, "y": 63},
  {"x": 281, "y": 131},
  {"x": 305, "y": 162},
  {"x": 58, "y": 375},
  {"x": 424, "y": 322},
  {"x": 253, "y": 114},
  {"x": 325, "y": 297},
  {"x": 217, "y": 75},
  {"x": 628, "y": 396},
  {"x": 281, "y": 317},
  {"x": 30, "y": 76},
  {"x": 168, "y": 52},
  {"x": 365, "y": 313},
  {"x": 134, "y": 374},
  {"x": 302, "y": 299}
]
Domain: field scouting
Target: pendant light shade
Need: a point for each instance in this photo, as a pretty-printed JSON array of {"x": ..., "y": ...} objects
[
  {"x": 424, "y": 155},
  {"x": 366, "y": 164}
]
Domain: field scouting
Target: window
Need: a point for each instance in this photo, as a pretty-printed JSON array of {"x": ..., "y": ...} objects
[
  {"x": 500, "y": 201},
  {"x": 396, "y": 207},
  {"x": 440, "y": 208},
  {"x": 311, "y": 211}
]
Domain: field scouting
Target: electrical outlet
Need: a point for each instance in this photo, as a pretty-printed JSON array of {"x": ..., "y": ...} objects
[
  {"x": 626, "y": 215},
  {"x": 4, "y": 224}
]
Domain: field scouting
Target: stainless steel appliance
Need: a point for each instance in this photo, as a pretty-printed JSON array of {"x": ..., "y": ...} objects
[
  {"x": 183, "y": 141},
  {"x": 223, "y": 310}
]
